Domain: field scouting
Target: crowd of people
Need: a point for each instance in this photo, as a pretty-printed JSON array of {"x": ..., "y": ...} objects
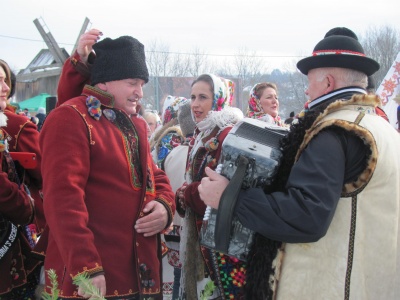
[{"x": 112, "y": 190}]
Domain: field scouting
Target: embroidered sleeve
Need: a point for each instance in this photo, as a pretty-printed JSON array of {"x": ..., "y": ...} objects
[
  {"x": 74, "y": 76},
  {"x": 91, "y": 272},
  {"x": 83, "y": 68}
]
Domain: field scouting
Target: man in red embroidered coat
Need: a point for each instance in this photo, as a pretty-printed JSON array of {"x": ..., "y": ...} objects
[{"x": 106, "y": 201}]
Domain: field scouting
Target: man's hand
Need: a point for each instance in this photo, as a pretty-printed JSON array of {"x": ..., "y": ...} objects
[
  {"x": 99, "y": 282},
  {"x": 86, "y": 42},
  {"x": 212, "y": 187},
  {"x": 155, "y": 221}
]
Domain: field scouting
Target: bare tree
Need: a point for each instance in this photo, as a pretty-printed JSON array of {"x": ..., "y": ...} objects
[
  {"x": 179, "y": 65},
  {"x": 383, "y": 45},
  {"x": 297, "y": 84},
  {"x": 198, "y": 62},
  {"x": 224, "y": 67},
  {"x": 212, "y": 65},
  {"x": 248, "y": 67},
  {"x": 158, "y": 58}
]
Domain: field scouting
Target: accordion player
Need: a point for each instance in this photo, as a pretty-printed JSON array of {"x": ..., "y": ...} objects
[{"x": 250, "y": 158}]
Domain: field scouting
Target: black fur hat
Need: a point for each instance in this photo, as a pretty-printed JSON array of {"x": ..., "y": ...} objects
[
  {"x": 118, "y": 59},
  {"x": 340, "y": 48}
]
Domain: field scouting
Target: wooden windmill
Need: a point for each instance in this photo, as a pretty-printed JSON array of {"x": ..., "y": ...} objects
[{"x": 43, "y": 72}]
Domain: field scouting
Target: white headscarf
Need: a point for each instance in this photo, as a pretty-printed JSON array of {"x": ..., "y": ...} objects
[{"x": 3, "y": 119}]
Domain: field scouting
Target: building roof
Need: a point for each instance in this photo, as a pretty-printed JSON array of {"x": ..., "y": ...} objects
[
  {"x": 43, "y": 60},
  {"x": 43, "y": 65}
]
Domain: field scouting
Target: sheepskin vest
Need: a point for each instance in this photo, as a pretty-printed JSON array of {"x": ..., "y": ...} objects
[{"x": 358, "y": 258}]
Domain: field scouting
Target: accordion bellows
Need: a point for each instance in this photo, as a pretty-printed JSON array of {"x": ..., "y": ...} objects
[{"x": 250, "y": 158}]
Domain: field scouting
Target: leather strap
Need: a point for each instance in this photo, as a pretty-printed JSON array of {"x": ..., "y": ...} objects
[{"x": 227, "y": 206}]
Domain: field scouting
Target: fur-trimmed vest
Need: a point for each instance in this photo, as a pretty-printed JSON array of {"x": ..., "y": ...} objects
[{"x": 358, "y": 258}]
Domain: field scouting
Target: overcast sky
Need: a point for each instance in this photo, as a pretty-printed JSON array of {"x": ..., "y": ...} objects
[{"x": 284, "y": 30}]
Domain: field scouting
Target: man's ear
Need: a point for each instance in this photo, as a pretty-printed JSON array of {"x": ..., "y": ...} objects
[
  {"x": 102, "y": 86},
  {"x": 330, "y": 83}
]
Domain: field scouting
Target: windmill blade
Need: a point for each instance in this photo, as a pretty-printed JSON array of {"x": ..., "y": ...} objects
[
  {"x": 86, "y": 26},
  {"x": 51, "y": 43}
]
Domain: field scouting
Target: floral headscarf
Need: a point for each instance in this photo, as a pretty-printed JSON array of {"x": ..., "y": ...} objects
[
  {"x": 255, "y": 110},
  {"x": 223, "y": 92},
  {"x": 170, "y": 108}
]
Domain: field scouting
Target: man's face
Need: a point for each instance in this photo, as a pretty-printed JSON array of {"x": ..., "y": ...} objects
[
  {"x": 316, "y": 86},
  {"x": 126, "y": 92}
]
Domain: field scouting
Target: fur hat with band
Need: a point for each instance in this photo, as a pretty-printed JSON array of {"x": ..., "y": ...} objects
[
  {"x": 339, "y": 49},
  {"x": 118, "y": 59}
]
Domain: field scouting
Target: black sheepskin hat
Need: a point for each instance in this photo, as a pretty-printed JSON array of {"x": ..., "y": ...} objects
[
  {"x": 118, "y": 59},
  {"x": 340, "y": 48}
]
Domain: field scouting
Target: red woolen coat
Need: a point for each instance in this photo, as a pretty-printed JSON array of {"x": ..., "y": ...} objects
[
  {"x": 24, "y": 137},
  {"x": 95, "y": 193},
  {"x": 16, "y": 206},
  {"x": 16, "y": 262}
]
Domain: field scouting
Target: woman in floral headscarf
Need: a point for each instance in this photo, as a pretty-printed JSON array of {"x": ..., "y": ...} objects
[
  {"x": 169, "y": 135},
  {"x": 211, "y": 97},
  {"x": 264, "y": 103}
]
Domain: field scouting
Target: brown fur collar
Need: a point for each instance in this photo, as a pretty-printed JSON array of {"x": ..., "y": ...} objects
[{"x": 358, "y": 185}]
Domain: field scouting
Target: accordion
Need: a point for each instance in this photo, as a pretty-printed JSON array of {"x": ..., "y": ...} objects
[{"x": 250, "y": 158}]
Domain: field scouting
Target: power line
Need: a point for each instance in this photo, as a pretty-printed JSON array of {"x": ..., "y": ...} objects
[
  {"x": 30, "y": 40},
  {"x": 170, "y": 52},
  {"x": 233, "y": 55}
]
